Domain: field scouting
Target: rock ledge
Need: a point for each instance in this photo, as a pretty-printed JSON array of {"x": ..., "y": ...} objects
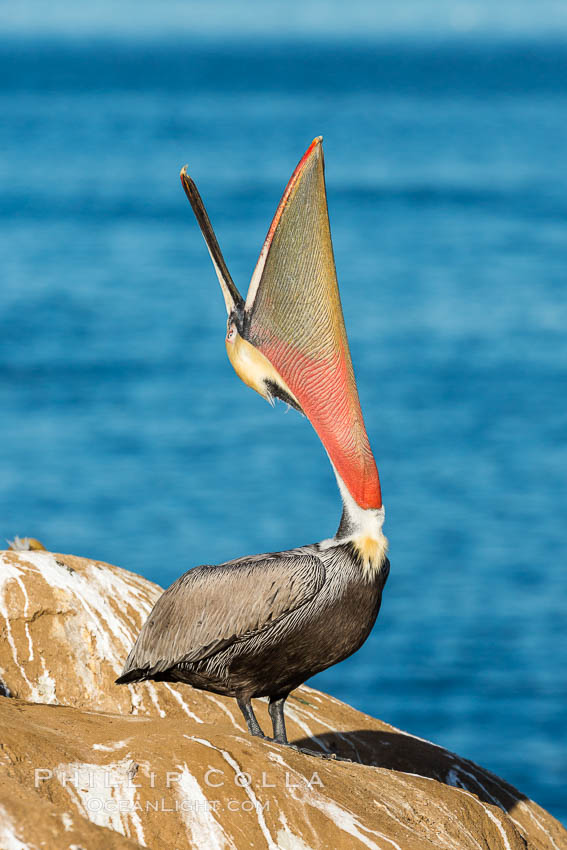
[{"x": 88, "y": 764}]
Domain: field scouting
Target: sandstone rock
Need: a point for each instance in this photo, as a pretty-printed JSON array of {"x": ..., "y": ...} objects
[
  {"x": 86, "y": 763},
  {"x": 67, "y": 626}
]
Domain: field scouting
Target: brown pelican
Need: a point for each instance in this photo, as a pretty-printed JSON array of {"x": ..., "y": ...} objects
[{"x": 261, "y": 625}]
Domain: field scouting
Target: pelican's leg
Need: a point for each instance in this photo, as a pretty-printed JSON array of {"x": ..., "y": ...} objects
[
  {"x": 245, "y": 707},
  {"x": 276, "y": 709}
]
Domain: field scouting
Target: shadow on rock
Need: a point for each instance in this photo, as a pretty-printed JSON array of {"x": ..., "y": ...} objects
[{"x": 397, "y": 751}]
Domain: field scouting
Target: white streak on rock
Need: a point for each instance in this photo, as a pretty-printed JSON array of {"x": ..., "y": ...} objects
[
  {"x": 288, "y": 841},
  {"x": 154, "y": 698},
  {"x": 109, "y": 748},
  {"x": 226, "y": 710},
  {"x": 94, "y": 589},
  {"x": 44, "y": 690},
  {"x": 11, "y": 571},
  {"x": 183, "y": 704},
  {"x": 312, "y": 693},
  {"x": 347, "y": 822},
  {"x": 292, "y": 714},
  {"x": 341, "y": 817},
  {"x": 26, "y": 609},
  {"x": 206, "y": 832},
  {"x": 46, "y": 687},
  {"x": 289, "y": 836},
  {"x": 446, "y": 815},
  {"x": 249, "y": 792},
  {"x": 86, "y": 592},
  {"x": 491, "y": 815},
  {"x": 453, "y": 778},
  {"x": 499, "y": 826},
  {"x": 67, "y": 821},
  {"x": 98, "y": 785},
  {"x": 136, "y": 698},
  {"x": 521, "y": 804},
  {"x": 8, "y": 838},
  {"x": 391, "y": 815}
]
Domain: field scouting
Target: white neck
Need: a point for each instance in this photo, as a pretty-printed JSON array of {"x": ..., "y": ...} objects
[
  {"x": 363, "y": 528},
  {"x": 357, "y": 521}
]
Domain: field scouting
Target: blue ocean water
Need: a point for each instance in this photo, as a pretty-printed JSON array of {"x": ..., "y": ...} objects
[{"x": 125, "y": 435}]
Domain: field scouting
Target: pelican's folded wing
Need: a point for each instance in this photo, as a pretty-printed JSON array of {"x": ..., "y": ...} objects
[{"x": 209, "y": 608}]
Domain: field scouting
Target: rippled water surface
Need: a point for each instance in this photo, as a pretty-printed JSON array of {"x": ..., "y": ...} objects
[{"x": 125, "y": 435}]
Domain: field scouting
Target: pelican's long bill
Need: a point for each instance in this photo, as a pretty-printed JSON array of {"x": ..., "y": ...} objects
[{"x": 288, "y": 339}]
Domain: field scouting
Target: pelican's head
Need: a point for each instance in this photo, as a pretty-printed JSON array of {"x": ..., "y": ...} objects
[{"x": 288, "y": 339}]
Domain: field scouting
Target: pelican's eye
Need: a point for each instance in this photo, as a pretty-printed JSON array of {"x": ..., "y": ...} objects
[{"x": 231, "y": 332}]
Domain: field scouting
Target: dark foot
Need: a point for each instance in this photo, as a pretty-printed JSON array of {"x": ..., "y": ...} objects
[
  {"x": 304, "y": 751},
  {"x": 318, "y": 754},
  {"x": 245, "y": 707}
]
